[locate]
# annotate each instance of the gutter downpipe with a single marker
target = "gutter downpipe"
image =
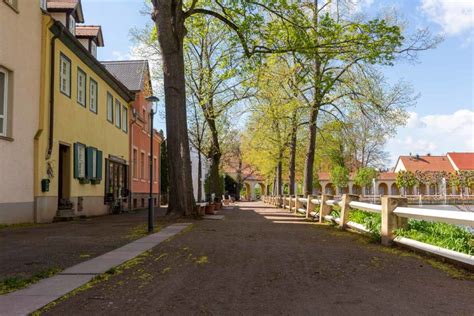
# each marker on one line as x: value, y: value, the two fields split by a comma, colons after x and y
x: 51, y: 95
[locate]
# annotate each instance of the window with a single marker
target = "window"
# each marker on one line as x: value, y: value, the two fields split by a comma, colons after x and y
x: 142, y: 165
x: 93, y: 48
x: 79, y: 161
x: 110, y: 108
x: 93, y: 95
x: 125, y: 119
x: 65, y: 75
x: 135, y: 163
x: 81, y: 87
x: 118, y: 106
x: 72, y: 25
x: 155, y: 170
x: 3, y: 101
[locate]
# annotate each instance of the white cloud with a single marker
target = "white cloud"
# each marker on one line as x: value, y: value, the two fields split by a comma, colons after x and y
x: 454, y: 16
x: 435, y: 134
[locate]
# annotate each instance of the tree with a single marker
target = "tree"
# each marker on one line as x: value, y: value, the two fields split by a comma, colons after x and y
x: 343, y: 45
x: 364, y: 176
x: 406, y: 180
x: 164, y: 179
x: 170, y: 16
x: 339, y: 176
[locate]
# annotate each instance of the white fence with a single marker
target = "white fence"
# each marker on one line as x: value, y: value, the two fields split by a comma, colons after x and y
x: 394, y: 213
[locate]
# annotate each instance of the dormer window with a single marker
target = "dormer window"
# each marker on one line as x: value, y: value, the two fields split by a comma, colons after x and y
x: 72, y: 25
x: 93, y: 48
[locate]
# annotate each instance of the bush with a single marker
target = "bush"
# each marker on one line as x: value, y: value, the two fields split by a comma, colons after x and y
x: 440, y: 234
x: 371, y: 221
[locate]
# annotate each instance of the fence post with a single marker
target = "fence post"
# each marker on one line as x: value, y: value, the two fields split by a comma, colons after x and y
x: 309, y: 206
x: 280, y: 201
x: 296, y: 203
x: 324, y: 209
x: 390, y: 221
x: 345, y: 208
x: 284, y: 202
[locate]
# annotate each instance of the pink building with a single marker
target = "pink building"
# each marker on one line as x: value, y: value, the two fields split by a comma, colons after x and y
x: 135, y: 75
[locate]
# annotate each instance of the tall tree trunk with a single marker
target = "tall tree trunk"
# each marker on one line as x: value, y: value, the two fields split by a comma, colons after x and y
x: 309, y: 160
x: 215, y: 154
x: 169, y: 20
x: 292, y: 166
x: 199, y: 175
x: 279, y: 174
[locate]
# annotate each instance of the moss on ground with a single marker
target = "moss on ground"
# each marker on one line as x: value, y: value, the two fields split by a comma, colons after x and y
x: 11, y: 284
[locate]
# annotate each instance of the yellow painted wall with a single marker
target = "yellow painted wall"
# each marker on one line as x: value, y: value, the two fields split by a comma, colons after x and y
x: 75, y: 123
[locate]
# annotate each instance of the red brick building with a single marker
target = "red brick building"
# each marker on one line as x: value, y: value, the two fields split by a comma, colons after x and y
x: 135, y: 75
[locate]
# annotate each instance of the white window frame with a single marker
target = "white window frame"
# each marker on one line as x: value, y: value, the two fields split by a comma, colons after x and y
x: 65, y: 75
x: 81, y: 161
x: 93, y: 96
x: 72, y: 25
x: 94, y: 48
x: 124, y: 119
x: 82, y: 91
x: 118, y: 114
x: 110, y: 107
x: 4, y: 116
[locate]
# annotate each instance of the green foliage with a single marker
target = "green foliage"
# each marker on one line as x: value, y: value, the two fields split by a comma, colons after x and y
x: 371, y: 221
x: 440, y: 234
x: 364, y: 176
x: 339, y: 176
x: 406, y: 179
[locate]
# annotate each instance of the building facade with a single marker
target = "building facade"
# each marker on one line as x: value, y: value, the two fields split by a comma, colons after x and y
x: 82, y: 141
x: 135, y: 75
x: 20, y: 65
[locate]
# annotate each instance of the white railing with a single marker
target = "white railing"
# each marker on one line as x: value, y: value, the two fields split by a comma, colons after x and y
x: 394, y: 214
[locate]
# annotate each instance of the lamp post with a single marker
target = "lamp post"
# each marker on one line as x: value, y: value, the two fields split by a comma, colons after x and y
x: 154, y: 100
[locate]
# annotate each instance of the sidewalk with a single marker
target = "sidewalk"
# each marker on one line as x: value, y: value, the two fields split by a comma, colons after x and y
x: 42, y: 249
x: 28, y: 300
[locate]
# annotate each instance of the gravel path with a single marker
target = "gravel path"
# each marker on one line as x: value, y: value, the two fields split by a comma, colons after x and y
x: 261, y: 261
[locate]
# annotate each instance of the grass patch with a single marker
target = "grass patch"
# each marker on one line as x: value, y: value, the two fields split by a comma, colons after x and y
x: 440, y: 234
x: 19, y: 225
x: 140, y: 231
x: 372, y: 221
x: 16, y: 283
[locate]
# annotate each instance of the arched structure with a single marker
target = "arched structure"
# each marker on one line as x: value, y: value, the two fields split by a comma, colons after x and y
x: 383, y: 189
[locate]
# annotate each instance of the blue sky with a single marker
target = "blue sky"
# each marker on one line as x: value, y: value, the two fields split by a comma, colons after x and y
x: 443, y: 118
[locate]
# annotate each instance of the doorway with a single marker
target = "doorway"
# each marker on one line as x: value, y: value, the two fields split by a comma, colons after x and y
x: 64, y: 177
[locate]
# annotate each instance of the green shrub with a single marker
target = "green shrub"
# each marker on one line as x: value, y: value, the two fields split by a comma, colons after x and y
x: 440, y: 234
x: 372, y: 221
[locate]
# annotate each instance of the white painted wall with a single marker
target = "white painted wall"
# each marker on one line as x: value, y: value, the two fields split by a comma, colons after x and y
x: 20, y: 53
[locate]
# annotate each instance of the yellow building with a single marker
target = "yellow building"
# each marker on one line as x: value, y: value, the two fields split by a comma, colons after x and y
x: 82, y: 142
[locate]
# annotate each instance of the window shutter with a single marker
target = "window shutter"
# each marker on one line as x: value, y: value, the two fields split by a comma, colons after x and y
x: 76, y: 160
x: 89, y: 156
x: 99, y: 165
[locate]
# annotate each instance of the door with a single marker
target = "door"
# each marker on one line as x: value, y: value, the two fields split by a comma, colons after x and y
x: 64, y: 175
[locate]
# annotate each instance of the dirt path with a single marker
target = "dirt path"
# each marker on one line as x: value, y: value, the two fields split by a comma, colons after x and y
x: 30, y: 250
x: 260, y: 260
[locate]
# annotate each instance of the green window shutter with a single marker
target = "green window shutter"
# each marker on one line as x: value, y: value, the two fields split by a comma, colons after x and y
x: 76, y: 160
x: 99, y: 165
x: 89, y: 167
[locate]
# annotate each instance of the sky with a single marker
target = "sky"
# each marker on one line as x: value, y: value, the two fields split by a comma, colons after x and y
x: 442, y: 119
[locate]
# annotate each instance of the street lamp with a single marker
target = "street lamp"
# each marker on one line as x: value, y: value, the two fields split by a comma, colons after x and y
x: 154, y: 100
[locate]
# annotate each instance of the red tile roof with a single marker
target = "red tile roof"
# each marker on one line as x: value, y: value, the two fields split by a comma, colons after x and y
x: 427, y: 163
x: 62, y: 4
x: 463, y: 161
x: 387, y: 176
x: 90, y: 31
